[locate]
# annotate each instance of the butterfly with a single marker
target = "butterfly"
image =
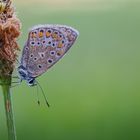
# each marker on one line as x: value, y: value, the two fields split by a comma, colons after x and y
x: 46, y: 45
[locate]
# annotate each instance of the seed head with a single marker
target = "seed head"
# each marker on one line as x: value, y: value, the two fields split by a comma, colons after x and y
x: 9, y: 32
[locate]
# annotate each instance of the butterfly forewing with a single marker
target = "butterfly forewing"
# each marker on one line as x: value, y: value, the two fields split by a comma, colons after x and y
x: 45, y: 46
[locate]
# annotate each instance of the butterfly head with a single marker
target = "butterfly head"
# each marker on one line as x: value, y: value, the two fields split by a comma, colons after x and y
x: 24, y: 75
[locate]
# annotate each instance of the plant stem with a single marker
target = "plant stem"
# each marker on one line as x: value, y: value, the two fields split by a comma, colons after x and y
x: 6, y: 84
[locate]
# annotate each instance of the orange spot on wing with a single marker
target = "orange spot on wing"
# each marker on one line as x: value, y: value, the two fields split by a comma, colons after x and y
x: 32, y: 35
x: 59, y: 38
x: 40, y: 34
x: 60, y: 45
x: 60, y: 52
x: 54, y: 35
x: 48, y: 34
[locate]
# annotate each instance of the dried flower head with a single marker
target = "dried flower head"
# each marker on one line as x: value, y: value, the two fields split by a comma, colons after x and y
x: 9, y: 31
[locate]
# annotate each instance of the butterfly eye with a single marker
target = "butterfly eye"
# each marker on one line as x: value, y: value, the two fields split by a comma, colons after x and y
x: 31, y: 81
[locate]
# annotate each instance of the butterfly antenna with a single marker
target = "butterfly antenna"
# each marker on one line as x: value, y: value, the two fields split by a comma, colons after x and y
x: 43, y: 94
x: 38, y: 101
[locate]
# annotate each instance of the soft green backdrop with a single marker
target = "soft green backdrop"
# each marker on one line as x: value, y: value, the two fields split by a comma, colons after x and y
x: 94, y: 91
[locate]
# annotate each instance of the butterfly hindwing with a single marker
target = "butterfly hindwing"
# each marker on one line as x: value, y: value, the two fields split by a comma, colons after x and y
x: 46, y: 45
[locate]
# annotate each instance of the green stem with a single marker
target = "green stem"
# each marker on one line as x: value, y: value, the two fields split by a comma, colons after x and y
x: 6, y: 84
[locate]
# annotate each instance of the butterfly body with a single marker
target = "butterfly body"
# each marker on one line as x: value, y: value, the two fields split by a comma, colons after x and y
x: 24, y: 75
x: 45, y: 46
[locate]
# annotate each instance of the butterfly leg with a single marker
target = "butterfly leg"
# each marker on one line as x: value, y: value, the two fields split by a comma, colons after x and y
x: 10, y: 83
x: 17, y: 83
x: 15, y: 77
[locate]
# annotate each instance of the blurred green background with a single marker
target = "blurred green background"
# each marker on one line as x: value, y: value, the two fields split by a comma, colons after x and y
x: 94, y: 91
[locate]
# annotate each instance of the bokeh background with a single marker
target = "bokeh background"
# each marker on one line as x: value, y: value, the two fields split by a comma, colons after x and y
x: 94, y: 91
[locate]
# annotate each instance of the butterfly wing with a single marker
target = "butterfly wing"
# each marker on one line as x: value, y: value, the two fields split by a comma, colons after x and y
x: 46, y: 45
